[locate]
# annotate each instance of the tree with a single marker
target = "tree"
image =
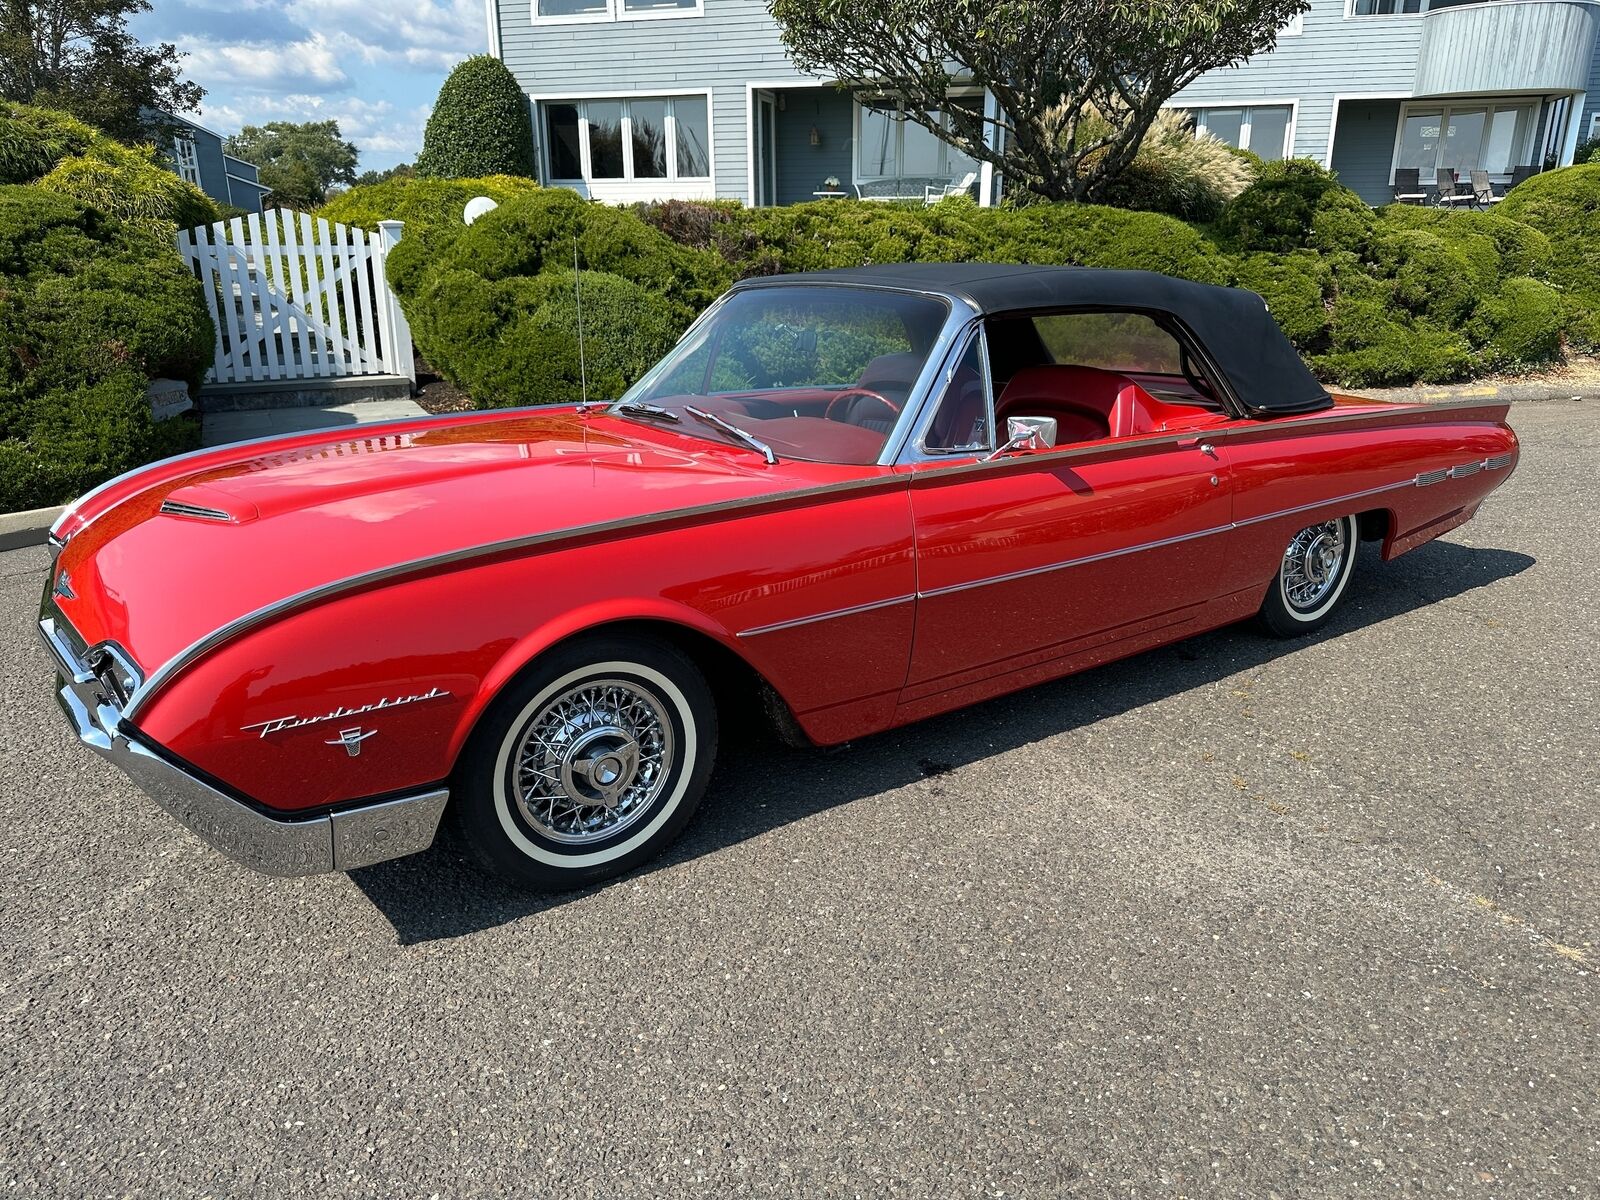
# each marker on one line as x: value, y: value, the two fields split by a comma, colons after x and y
x: 298, y: 162
x: 398, y: 171
x: 479, y: 126
x: 78, y: 56
x: 1078, y: 81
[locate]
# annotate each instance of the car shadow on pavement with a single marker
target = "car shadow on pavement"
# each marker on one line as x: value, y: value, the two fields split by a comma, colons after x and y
x: 761, y: 785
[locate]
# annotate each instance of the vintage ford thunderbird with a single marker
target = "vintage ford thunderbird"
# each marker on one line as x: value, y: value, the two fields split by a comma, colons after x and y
x: 856, y: 498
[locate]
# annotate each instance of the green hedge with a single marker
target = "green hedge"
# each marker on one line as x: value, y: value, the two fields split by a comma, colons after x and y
x: 421, y: 203
x: 1391, y: 297
x: 91, y: 309
x: 133, y: 186
x: 1564, y: 206
x: 34, y: 140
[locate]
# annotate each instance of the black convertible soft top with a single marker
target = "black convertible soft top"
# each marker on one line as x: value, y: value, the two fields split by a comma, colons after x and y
x: 1232, y: 325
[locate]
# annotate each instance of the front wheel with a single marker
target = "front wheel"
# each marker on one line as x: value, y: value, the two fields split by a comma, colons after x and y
x: 589, y: 764
x: 1316, y: 566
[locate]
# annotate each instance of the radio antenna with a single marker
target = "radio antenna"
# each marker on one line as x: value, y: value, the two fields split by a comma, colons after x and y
x: 577, y: 291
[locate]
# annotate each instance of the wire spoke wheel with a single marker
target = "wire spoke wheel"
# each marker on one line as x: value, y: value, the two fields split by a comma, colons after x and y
x: 1314, y: 564
x: 592, y: 761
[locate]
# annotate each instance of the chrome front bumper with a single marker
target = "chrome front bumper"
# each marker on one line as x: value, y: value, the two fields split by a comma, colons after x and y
x: 339, y: 841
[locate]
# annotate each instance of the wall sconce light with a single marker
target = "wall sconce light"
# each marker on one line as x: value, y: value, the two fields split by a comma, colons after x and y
x: 816, y: 136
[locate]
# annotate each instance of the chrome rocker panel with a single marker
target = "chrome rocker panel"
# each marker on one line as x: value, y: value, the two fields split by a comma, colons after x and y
x: 340, y: 841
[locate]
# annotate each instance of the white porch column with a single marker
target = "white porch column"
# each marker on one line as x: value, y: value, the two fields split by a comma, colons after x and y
x: 396, y: 329
x: 1569, y: 144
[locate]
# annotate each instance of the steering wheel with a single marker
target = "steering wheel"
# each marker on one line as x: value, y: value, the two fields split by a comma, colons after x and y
x: 852, y: 393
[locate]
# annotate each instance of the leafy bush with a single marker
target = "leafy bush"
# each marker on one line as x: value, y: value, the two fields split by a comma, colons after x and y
x: 1564, y: 205
x: 480, y: 124
x: 131, y: 184
x: 1177, y: 172
x: 1588, y: 151
x: 421, y: 203
x: 1293, y: 285
x: 34, y: 140
x: 1296, y: 203
x: 1519, y: 326
x: 91, y: 308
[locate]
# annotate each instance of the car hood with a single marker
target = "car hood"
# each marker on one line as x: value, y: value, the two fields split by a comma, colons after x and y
x: 174, y: 552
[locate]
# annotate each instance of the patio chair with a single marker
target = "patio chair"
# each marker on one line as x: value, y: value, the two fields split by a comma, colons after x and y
x: 1520, y: 174
x: 1408, y: 186
x: 1448, y: 192
x: 1483, y: 190
x: 935, y: 192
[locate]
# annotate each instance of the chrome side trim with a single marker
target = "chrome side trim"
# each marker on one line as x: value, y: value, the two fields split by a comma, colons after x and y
x: 340, y: 841
x: 576, y: 533
x: 832, y: 615
x: 1161, y: 542
x: 1012, y: 576
x: 1498, y: 462
x: 1429, y: 478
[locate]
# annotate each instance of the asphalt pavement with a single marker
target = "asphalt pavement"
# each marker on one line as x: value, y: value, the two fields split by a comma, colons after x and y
x: 1234, y: 918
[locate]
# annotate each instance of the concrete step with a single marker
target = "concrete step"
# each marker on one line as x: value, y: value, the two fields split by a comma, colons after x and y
x: 301, y: 393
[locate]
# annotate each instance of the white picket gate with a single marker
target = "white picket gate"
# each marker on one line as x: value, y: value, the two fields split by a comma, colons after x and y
x: 297, y: 298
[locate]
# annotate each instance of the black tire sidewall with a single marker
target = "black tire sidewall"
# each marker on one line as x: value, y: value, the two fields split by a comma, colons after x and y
x: 1283, y: 620
x: 488, y: 818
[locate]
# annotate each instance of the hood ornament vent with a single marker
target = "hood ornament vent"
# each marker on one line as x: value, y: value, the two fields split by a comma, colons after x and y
x: 177, y: 508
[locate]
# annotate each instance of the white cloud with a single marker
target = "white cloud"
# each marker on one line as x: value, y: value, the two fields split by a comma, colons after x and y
x: 313, y: 60
x: 376, y: 127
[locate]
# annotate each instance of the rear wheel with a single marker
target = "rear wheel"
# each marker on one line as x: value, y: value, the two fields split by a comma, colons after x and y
x: 1316, y: 566
x: 589, y: 764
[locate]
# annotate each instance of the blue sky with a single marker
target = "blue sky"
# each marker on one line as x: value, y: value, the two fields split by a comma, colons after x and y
x: 372, y: 65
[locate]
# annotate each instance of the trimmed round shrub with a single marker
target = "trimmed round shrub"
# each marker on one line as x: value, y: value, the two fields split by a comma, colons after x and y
x: 1431, y: 276
x: 1517, y: 249
x: 1564, y: 205
x: 515, y: 341
x: 132, y: 186
x: 1293, y: 287
x: 1520, y: 325
x: 1092, y: 235
x: 480, y: 124
x: 91, y: 309
x: 1296, y: 203
x: 34, y: 140
x: 421, y: 203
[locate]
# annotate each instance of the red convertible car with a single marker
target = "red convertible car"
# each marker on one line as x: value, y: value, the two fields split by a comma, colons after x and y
x: 858, y: 497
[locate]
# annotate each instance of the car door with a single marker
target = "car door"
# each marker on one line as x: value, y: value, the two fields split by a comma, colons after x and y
x: 1033, y: 557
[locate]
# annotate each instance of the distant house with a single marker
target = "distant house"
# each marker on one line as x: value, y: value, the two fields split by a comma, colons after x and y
x: 197, y: 155
x: 693, y: 99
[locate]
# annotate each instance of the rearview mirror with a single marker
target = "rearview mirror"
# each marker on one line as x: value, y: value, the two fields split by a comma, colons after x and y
x: 1028, y: 433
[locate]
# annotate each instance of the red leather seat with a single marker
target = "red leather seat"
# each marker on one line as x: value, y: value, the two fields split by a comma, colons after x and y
x: 1086, y: 402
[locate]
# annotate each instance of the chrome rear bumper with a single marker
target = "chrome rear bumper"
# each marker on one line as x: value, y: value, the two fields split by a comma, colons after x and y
x: 338, y: 841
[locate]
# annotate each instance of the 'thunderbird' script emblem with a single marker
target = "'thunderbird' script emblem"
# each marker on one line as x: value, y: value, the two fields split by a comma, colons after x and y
x: 279, y: 724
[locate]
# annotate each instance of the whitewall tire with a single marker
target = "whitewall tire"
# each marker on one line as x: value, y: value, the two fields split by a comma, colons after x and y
x: 1312, y: 577
x: 589, y: 763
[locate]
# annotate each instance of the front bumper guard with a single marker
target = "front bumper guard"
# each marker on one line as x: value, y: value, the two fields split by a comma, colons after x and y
x: 339, y: 841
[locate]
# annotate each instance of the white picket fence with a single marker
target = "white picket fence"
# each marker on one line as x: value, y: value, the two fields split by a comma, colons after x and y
x: 297, y: 298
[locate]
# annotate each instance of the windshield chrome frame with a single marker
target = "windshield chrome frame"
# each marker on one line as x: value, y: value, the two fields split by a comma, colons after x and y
x: 959, y: 314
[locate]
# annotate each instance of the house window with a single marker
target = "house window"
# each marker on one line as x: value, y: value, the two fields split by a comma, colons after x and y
x: 1386, y: 8
x: 1263, y: 129
x: 185, y: 158
x: 892, y: 147
x: 655, y: 137
x: 1463, y: 138
x: 557, y: 11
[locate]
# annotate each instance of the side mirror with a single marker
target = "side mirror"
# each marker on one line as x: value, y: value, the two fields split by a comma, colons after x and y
x: 1028, y: 433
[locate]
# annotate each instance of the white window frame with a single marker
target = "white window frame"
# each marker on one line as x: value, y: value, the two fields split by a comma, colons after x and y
x: 1293, y: 105
x: 186, y: 158
x: 582, y: 100
x: 856, y: 107
x: 615, y: 10
x: 1444, y: 108
x: 1350, y: 13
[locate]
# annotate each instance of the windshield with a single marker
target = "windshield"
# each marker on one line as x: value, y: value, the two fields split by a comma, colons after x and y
x: 819, y: 373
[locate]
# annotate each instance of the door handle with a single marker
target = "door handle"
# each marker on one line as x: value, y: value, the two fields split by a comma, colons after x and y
x: 1197, y: 444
